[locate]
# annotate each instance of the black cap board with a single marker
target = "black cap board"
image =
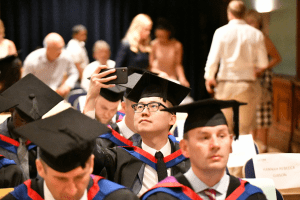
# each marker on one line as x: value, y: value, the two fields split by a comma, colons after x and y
x: 208, y: 113
x: 6, y: 104
x: 34, y: 98
x: 112, y: 94
x: 132, y: 80
x: 151, y: 85
x: 66, y: 140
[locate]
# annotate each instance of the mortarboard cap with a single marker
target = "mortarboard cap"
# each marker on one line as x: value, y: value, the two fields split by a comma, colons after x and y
x: 66, y: 140
x: 112, y: 94
x: 151, y: 85
x: 132, y: 80
x: 6, y: 104
x: 208, y: 113
x: 34, y: 98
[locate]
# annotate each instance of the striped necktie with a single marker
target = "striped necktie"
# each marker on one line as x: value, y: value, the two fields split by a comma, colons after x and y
x: 22, y: 153
x: 211, y: 193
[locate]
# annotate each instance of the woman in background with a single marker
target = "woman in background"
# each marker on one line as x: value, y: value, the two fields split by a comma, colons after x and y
x: 135, y: 46
x: 166, y: 55
x: 7, y: 47
x: 265, y: 106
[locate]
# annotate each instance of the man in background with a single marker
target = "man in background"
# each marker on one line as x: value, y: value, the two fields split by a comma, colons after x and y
x: 51, y: 63
x: 241, y: 52
x: 101, y: 53
x: 76, y: 48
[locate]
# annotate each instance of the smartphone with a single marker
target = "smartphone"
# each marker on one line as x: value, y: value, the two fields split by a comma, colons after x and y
x: 122, y: 75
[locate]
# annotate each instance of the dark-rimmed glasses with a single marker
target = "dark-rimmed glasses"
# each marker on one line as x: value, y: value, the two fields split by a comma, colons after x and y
x: 152, y: 107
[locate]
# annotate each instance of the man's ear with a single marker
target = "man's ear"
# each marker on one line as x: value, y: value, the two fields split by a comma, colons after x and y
x: 123, y: 105
x: 183, y: 144
x: 172, y: 119
x: 231, y: 140
x: 40, y: 168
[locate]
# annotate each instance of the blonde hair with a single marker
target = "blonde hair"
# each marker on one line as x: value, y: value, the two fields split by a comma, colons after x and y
x: 2, y: 28
x: 133, y: 33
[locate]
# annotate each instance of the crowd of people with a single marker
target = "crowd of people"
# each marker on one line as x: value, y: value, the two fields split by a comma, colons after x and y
x: 119, y: 145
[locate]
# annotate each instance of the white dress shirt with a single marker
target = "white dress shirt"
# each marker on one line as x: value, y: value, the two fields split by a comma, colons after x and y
x: 49, y: 196
x: 239, y: 48
x: 198, y: 186
x: 150, y: 175
x: 51, y: 73
x: 89, y: 70
x: 78, y: 52
x: 124, y: 130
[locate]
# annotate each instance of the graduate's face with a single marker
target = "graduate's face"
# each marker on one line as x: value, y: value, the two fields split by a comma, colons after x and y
x: 69, y: 185
x: 105, y: 110
x: 153, y: 122
x: 208, y: 148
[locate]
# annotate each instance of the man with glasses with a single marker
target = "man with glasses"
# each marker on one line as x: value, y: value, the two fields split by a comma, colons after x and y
x: 155, y: 156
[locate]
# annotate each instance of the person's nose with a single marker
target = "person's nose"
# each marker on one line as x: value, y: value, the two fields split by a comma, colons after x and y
x: 71, y: 189
x: 214, y: 143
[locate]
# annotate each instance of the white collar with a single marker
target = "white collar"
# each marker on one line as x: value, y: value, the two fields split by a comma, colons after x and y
x: 124, y: 130
x: 166, y: 150
x: 198, y: 186
x: 49, y: 196
x: 237, y: 21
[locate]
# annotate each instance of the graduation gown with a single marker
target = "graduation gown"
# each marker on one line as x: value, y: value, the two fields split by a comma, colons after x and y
x: 98, y: 189
x: 178, y: 187
x: 125, y: 165
x: 11, y: 175
x: 9, y: 147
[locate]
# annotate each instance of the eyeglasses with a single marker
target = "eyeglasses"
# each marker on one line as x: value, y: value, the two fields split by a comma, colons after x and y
x: 152, y: 107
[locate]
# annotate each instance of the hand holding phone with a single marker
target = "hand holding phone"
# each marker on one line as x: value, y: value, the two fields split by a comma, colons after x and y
x: 121, y: 73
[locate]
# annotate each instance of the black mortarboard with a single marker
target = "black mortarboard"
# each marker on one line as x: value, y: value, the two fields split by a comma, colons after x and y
x: 208, y: 113
x: 8, y: 62
x: 66, y: 140
x: 132, y: 80
x: 34, y: 98
x: 151, y: 85
x: 112, y: 94
x: 6, y: 104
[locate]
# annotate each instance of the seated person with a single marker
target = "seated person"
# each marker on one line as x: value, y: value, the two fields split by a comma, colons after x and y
x: 106, y: 105
x: 51, y: 64
x: 207, y: 142
x: 10, y: 71
x: 101, y: 53
x: 11, y: 174
x: 66, y: 160
x: 155, y: 156
x: 33, y: 99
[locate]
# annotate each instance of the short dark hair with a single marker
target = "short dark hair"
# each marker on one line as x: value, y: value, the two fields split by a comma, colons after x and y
x: 164, y: 24
x: 76, y: 29
x: 239, y: 10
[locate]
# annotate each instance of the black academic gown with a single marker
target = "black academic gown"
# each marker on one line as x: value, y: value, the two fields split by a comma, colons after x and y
x: 98, y: 188
x: 9, y: 146
x: 10, y: 174
x: 126, y: 164
x: 234, y: 183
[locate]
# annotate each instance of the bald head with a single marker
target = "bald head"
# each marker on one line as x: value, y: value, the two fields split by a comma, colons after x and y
x: 236, y: 9
x: 54, y: 44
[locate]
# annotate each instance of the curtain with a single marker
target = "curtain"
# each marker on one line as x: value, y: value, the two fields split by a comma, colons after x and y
x: 27, y: 22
